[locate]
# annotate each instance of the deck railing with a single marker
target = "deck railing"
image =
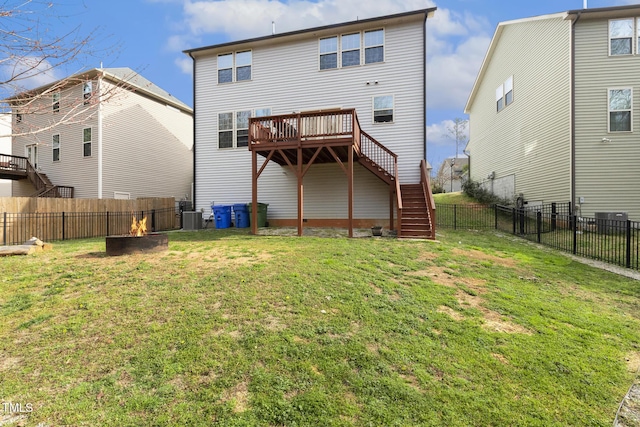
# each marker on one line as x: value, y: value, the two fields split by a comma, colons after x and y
x: 13, y: 163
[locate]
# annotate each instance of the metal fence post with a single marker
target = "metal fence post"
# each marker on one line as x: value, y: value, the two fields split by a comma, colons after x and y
x: 628, y: 243
x: 4, y: 229
x: 495, y: 216
x: 107, y: 223
x: 62, y: 225
x: 574, y: 226
x: 455, y: 217
x: 539, y: 225
x: 554, y: 213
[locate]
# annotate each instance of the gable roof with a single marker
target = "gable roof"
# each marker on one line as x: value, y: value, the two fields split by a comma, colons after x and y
x: 125, y: 76
x: 573, y: 15
x: 426, y: 13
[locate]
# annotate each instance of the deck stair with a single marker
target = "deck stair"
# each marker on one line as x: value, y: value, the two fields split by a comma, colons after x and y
x: 415, y: 221
x: 18, y: 167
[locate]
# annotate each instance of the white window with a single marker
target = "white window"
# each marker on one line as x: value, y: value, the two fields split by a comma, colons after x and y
x: 18, y: 117
x: 243, y: 66
x: 504, y: 94
x: 56, y: 102
x: 56, y: 148
x: 87, y: 91
x: 373, y: 46
x: 86, y: 142
x: 242, y: 128
x: 225, y: 130
x: 620, y: 109
x: 328, y: 53
x: 621, y: 36
x: 350, y: 44
x: 238, y: 64
x: 225, y: 68
x: 383, y: 109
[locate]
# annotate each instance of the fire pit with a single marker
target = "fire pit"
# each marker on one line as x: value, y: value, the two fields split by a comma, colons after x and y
x: 138, y: 240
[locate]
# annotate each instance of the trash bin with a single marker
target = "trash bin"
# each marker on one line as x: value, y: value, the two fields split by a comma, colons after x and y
x: 262, y: 213
x: 241, y: 213
x: 222, y: 215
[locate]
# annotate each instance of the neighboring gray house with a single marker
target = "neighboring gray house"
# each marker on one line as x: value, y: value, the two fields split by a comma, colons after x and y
x: 552, y: 113
x: 106, y: 133
x: 452, y: 173
x: 375, y: 67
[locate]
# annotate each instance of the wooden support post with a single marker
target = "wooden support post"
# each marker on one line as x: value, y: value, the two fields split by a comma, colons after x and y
x: 300, y: 191
x: 254, y: 192
x: 350, y: 189
x: 391, y: 198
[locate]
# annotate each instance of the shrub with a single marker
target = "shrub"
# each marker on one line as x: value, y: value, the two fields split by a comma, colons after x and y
x: 476, y: 191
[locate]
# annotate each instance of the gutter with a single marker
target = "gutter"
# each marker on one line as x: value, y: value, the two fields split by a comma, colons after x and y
x: 193, y: 196
x: 424, y: 84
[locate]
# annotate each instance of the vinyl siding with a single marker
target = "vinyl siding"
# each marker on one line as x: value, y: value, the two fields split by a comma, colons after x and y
x: 607, y: 173
x: 286, y: 78
x: 530, y: 138
x: 5, y: 148
x: 156, y: 163
x: 73, y: 169
x: 146, y: 148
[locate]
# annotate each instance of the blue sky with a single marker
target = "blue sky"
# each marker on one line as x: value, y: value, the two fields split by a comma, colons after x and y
x: 150, y: 35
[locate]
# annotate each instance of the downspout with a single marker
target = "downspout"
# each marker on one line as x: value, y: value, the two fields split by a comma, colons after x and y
x: 194, y: 131
x: 424, y: 84
x: 100, y: 80
x: 573, y: 113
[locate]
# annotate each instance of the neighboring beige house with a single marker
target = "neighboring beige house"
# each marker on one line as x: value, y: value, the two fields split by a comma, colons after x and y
x: 374, y: 67
x: 552, y: 113
x: 106, y: 133
x: 452, y: 173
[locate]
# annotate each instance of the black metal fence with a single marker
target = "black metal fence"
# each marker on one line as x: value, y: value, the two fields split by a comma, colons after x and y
x: 16, y: 228
x: 554, y: 225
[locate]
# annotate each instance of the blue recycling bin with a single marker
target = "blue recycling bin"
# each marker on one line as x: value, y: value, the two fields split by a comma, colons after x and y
x: 222, y: 215
x: 241, y: 213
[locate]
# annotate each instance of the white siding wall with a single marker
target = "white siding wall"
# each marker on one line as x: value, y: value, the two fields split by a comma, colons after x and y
x: 146, y: 148
x: 73, y: 169
x: 286, y: 78
x: 531, y: 138
x: 607, y: 173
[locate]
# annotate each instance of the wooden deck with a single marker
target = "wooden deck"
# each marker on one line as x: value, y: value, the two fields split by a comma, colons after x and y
x: 18, y: 167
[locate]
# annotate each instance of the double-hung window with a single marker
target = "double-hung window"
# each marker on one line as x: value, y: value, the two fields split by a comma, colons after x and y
x: 87, y: 91
x: 621, y: 33
x: 373, y: 46
x: 504, y: 94
x: 56, y: 102
x: 383, y: 109
x: 350, y: 44
x: 225, y: 68
x: 225, y: 130
x: 242, y: 128
x: 243, y: 66
x: 55, y: 143
x: 328, y: 53
x: 620, y: 109
x: 86, y: 142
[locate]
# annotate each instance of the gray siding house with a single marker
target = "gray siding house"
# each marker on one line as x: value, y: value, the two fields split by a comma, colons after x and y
x: 552, y: 115
x: 375, y: 67
x: 108, y: 133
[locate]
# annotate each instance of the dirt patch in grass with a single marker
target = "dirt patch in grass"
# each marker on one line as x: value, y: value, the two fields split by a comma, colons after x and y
x: 8, y: 363
x: 492, y: 320
x: 450, y: 312
x: 476, y: 255
x: 633, y: 362
x: 239, y: 394
x: 500, y: 358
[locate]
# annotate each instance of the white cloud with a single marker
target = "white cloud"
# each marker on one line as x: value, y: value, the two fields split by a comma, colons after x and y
x: 450, y: 75
x: 185, y: 64
x: 28, y: 72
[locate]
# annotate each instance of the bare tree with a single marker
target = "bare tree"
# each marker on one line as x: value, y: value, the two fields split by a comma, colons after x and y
x: 458, y: 132
x: 37, y: 65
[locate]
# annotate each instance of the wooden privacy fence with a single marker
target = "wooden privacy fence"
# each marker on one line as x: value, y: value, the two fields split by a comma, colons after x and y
x: 63, y: 219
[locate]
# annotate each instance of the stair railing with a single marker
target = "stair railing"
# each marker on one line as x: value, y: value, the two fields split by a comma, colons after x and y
x: 398, y: 201
x: 426, y: 188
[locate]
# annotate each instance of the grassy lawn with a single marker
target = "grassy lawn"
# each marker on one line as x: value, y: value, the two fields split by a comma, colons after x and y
x: 479, y: 329
x: 458, y: 198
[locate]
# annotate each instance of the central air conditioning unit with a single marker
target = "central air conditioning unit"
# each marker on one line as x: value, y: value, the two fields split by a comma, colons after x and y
x: 192, y: 220
x: 611, y: 222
